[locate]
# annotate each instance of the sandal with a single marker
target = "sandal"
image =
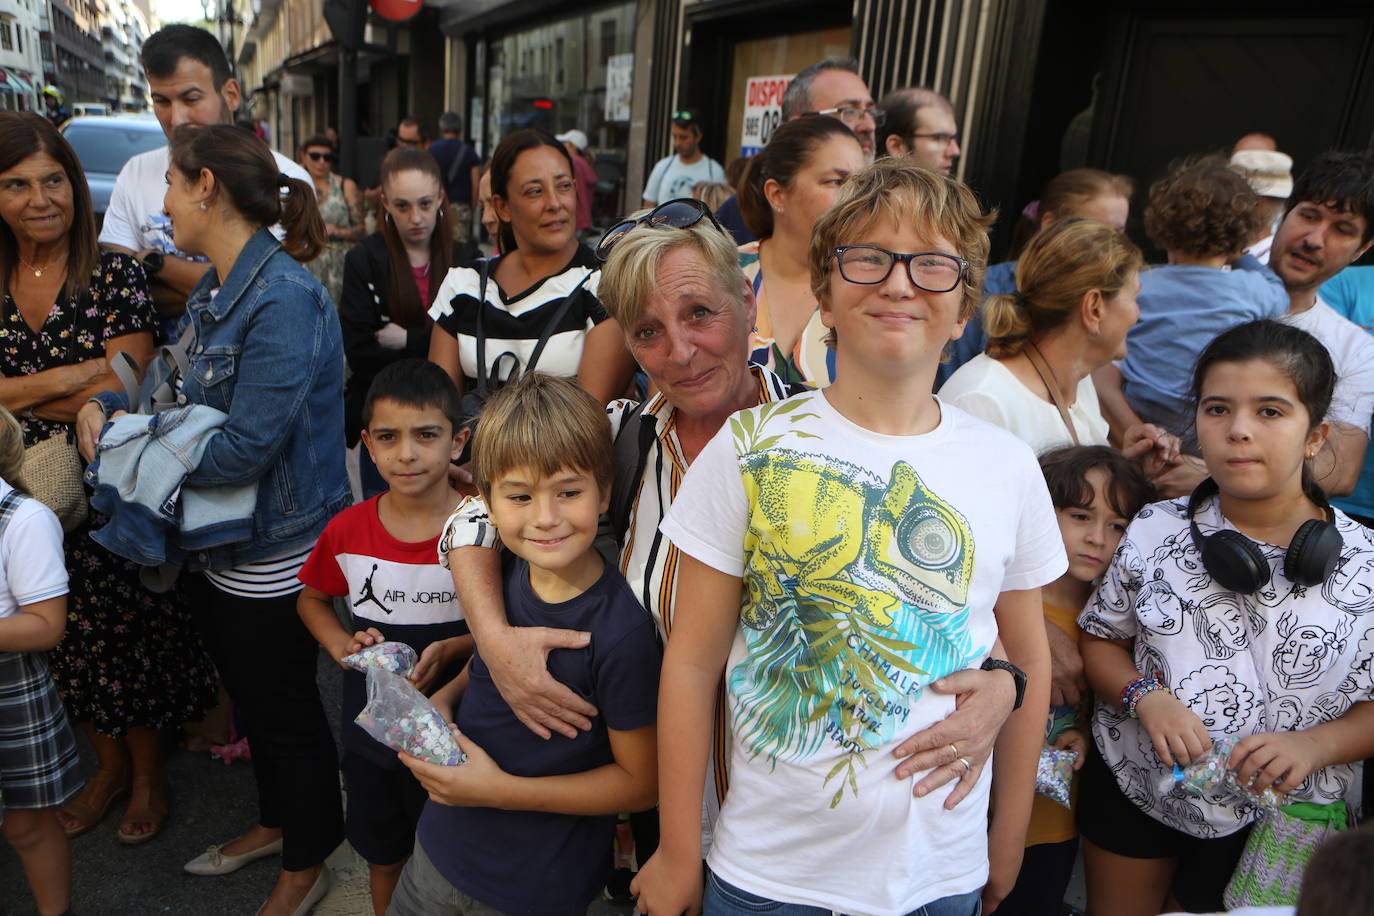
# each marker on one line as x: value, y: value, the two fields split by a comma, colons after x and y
x: 154, y: 814
x: 88, y: 813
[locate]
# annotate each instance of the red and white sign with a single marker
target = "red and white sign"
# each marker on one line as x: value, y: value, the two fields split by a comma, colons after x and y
x: 396, y: 10
x: 762, y: 111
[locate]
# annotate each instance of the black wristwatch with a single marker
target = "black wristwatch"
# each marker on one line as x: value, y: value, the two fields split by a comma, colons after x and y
x: 152, y: 263
x: 1017, y: 675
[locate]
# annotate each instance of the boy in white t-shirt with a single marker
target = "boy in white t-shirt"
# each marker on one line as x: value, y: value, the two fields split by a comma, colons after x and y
x: 842, y: 550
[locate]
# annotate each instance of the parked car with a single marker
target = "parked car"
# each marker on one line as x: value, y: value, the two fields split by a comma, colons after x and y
x: 104, y: 144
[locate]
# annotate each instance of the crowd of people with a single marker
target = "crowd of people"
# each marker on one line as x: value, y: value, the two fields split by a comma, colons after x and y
x: 761, y: 518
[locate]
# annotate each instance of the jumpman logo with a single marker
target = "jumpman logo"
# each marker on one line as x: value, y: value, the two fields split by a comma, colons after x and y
x: 369, y: 595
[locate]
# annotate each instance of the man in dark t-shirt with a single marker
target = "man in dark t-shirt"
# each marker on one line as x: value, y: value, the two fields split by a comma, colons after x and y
x: 459, y: 164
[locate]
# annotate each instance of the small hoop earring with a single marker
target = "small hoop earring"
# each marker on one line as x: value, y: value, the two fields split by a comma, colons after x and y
x: 202, y: 206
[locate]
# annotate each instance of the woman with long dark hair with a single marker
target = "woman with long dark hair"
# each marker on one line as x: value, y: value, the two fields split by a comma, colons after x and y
x: 388, y: 280
x: 541, y: 285
x: 131, y: 663
x: 268, y: 355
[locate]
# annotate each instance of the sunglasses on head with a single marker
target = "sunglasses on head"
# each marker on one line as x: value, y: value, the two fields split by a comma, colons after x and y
x: 327, y: 157
x: 683, y: 213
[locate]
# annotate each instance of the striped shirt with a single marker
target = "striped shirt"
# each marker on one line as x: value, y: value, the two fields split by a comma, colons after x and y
x: 648, y: 560
x: 274, y: 577
x: 513, y: 324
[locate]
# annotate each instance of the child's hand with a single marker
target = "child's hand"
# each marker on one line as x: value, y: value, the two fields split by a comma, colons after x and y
x: 364, y: 638
x: 435, y: 659
x: 1278, y: 759
x: 666, y: 887
x: 1071, y: 739
x: 1178, y: 734
x: 476, y: 783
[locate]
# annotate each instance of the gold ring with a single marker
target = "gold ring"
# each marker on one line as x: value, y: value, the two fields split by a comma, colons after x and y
x: 955, y: 751
x: 967, y: 766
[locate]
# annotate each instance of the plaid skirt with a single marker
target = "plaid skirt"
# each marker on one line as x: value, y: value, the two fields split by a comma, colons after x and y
x: 39, y: 765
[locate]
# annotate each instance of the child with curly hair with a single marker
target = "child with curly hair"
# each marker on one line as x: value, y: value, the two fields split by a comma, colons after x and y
x: 1203, y: 215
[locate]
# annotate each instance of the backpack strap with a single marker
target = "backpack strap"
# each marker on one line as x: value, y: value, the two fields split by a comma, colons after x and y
x: 484, y: 272
x: 630, y: 452
x: 456, y: 164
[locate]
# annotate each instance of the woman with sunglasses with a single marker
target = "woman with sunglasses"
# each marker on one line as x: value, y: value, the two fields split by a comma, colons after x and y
x: 341, y: 208
x: 787, y: 187
x: 535, y: 302
x: 672, y: 281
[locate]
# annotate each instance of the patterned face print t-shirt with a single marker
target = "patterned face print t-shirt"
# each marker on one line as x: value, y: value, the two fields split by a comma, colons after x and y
x: 870, y: 566
x: 1283, y: 659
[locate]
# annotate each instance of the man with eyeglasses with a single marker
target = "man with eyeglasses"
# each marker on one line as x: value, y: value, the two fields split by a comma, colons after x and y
x: 830, y: 87
x: 920, y: 125
x: 676, y: 175
x: 190, y: 83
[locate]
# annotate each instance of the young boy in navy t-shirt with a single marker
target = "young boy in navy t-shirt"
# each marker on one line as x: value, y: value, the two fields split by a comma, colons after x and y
x: 526, y: 825
x: 380, y: 556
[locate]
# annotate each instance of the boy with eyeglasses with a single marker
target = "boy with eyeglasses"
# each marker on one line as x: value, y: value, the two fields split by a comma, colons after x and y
x: 675, y: 175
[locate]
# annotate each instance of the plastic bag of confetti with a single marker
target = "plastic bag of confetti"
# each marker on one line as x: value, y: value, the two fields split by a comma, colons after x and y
x: 400, y: 717
x: 1054, y: 774
x: 1210, y: 775
x: 396, y: 657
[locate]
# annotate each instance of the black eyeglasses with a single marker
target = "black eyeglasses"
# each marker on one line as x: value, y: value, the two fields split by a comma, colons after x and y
x: 932, y: 271
x: 851, y: 115
x: 327, y: 157
x: 683, y: 213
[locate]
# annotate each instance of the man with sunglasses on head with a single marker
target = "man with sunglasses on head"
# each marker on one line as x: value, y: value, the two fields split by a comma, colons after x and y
x: 190, y: 83
x: 674, y: 176
x: 830, y: 87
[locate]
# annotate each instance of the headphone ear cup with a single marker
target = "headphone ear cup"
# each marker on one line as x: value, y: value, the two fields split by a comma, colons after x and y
x: 1235, y: 562
x: 1313, y: 553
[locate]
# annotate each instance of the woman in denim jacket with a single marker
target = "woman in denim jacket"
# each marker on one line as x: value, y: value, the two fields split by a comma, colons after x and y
x: 268, y: 353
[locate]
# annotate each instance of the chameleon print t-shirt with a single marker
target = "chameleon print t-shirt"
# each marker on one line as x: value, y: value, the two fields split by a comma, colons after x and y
x: 870, y: 565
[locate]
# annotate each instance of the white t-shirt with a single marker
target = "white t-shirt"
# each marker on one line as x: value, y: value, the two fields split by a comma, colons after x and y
x: 986, y: 388
x: 32, y: 567
x: 672, y: 178
x: 134, y: 218
x: 1352, y: 354
x: 1283, y: 659
x: 870, y: 564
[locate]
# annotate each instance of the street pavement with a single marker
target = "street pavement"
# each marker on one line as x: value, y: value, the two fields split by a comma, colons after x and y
x: 211, y: 803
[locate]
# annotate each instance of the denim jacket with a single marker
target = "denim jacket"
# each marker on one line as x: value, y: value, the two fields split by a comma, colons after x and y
x: 268, y: 353
x: 140, y: 466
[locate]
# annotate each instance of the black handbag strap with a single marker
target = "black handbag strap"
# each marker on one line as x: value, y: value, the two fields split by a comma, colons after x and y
x: 483, y: 383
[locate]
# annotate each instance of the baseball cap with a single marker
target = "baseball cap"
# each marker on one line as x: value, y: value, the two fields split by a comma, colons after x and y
x: 575, y: 137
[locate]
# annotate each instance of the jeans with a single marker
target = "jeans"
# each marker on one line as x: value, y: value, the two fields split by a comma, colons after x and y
x: 724, y: 899
x: 266, y: 658
x: 423, y: 891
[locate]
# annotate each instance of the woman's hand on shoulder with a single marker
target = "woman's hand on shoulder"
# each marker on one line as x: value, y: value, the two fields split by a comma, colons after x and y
x: 1278, y: 759
x: 1176, y: 731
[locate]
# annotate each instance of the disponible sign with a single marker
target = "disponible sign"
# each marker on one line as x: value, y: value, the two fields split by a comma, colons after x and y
x: 762, y: 111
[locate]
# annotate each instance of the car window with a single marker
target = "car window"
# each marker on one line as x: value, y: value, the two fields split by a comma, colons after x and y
x: 107, y: 148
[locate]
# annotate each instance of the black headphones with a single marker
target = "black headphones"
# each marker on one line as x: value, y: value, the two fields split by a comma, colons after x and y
x: 1239, y: 565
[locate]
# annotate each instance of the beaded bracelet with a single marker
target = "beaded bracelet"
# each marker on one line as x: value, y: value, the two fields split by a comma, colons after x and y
x: 1132, y: 693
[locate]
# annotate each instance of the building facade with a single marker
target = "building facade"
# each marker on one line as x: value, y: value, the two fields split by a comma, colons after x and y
x: 21, y: 56
x: 123, y: 28
x: 74, y: 58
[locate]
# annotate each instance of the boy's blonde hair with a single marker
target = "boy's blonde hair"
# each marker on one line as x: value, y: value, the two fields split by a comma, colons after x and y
x: 899, y: 193
x: 543, y: 423
x: 12, y: 451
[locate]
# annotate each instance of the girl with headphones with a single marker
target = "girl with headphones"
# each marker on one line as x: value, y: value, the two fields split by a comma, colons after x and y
x: 1218, y: 617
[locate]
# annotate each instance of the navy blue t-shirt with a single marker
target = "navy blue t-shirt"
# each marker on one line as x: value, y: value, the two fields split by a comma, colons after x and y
x: 530, y: 862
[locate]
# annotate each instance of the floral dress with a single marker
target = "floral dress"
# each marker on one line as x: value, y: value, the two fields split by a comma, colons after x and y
x: 130, y: 657
x: 328, y: 266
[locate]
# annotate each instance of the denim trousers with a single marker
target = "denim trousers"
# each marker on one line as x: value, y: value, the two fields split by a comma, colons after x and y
x: 724, y: 899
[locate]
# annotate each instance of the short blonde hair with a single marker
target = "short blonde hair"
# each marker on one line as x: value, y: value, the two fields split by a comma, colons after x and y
x: 630, y: 276
x: 1060, y: 266
x: 12, y: 451
x: 543, y: 423
x: 901, y: 193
